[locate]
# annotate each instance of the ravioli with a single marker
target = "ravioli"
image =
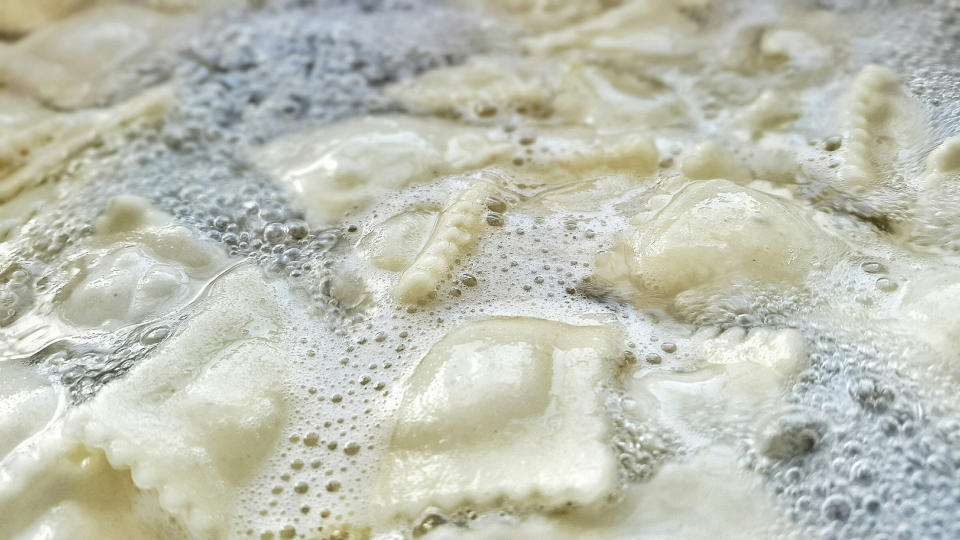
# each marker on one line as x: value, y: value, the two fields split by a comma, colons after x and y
x: 21, y: 16
x: 146, y: 268
x: 649, y: 29
x: 27, y: 404
x: 60, y: 490
x: 548, y: 90
x: 458, y: 227
x: 712, y: 234
x: 504, y: 409
x: 698, y: 497
x: 217, y: 386
x: 344, y: 167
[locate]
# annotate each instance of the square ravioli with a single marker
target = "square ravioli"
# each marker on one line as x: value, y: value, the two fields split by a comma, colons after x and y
x: 507, y: 408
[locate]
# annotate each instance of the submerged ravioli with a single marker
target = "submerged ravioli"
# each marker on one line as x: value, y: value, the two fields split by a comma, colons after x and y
x: 882, y: 125
x: 712, y: 234
x: 741, y: 374
x: 504, y: 408
x: 457, y: 228
x: 143, y: 266
x: 555, y: 92
x: 343, y: 167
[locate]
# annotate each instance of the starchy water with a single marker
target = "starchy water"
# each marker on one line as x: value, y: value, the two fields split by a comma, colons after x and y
x: 510, y: 269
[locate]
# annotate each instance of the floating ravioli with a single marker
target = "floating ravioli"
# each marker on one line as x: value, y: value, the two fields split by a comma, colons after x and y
x: 343, y: 167
x: 394, y: 245
x: 196, y: 420
x: 505, y: 409
x: 27, y: 404
x: 712, y: 234
x: 79, y: 61
x: 938, y: 200
x: 649, y: 29
x: 145, y: 267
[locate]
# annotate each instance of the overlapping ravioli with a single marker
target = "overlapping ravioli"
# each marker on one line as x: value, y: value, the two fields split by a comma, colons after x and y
x: 195, y: 420
x: 33, y: 146
x: 344, y: 167
x: 504, y: 409
x: 712, y: 234
x: 140, y: 266
x: 83, y: 59
x: 59, y: 490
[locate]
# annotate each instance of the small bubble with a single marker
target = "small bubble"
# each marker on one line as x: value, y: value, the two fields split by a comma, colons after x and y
x: 886, y: 284
x: 275, y: 233
x: 836, y: 508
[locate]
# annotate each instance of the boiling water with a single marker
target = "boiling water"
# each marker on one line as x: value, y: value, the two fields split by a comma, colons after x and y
x: 527, y: 269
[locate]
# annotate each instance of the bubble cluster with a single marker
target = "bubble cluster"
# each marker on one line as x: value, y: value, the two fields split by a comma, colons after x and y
x: 864, y: 457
